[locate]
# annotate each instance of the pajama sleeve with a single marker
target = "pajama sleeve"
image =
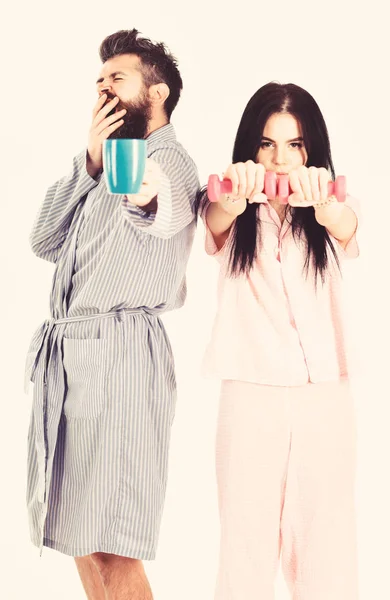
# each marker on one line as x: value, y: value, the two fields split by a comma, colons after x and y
x: 175, y: 201
x: 55, y: 216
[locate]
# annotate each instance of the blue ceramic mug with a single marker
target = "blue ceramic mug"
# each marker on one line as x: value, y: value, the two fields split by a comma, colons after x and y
x: 124, y: 165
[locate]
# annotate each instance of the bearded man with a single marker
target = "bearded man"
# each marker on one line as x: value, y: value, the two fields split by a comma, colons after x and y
x: 103, y: 372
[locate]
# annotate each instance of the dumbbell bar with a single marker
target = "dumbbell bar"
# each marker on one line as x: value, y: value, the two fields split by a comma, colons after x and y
x: 274, y: 185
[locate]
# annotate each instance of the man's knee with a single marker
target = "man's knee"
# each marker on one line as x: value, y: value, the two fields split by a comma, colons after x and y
x: 108, y: 564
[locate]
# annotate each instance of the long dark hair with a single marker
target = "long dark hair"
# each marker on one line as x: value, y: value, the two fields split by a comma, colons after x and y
x: 270, y: 99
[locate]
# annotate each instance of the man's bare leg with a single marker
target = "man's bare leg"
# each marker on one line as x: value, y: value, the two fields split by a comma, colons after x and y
x: 90, y: 578
x: 123, y: 578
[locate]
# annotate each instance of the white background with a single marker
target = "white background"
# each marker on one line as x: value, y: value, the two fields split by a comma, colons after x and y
x: 339, y: 52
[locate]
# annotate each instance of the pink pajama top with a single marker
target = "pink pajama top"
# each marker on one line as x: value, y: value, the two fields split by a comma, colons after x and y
x: 274, y: 327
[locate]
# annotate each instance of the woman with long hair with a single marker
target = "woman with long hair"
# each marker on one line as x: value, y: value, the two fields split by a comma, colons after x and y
x: 286, y: 428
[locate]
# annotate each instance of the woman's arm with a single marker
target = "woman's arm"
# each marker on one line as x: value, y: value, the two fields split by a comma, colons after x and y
x: 219, y: 222
x: 339, y: 220
x: 247, y: 183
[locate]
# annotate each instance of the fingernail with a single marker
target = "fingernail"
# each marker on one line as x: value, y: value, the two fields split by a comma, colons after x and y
x: 259, y: 197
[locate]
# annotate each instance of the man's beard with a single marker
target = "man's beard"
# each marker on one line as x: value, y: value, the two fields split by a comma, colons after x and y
x: 136, y: 119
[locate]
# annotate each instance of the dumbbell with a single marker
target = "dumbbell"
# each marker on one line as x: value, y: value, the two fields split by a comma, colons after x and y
x: 274, y: 185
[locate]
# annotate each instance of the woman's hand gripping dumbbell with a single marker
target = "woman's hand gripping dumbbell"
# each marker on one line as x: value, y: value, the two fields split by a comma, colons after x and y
x: 277, y: 185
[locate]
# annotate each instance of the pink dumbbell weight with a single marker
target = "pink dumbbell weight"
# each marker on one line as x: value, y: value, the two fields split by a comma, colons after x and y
x: 274, y: 185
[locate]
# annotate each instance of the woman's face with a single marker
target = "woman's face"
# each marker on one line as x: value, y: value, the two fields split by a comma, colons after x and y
x: 282, y: 148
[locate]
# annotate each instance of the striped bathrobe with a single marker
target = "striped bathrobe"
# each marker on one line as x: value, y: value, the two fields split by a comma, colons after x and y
x: 103, y: 372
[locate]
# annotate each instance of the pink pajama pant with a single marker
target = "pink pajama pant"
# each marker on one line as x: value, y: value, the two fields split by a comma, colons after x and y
x: 285, y: 473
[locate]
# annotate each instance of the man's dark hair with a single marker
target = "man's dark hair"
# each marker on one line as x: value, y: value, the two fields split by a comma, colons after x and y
x: 157, y: 63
